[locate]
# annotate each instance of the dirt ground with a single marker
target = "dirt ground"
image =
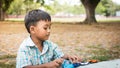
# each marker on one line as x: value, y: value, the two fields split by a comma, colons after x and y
x: 72, y: 38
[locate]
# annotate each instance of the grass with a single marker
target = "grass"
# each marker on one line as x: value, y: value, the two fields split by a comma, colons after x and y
x: 115, y: 51
x: 3, y: 65
x: 103, y: 54
x: 7, y: 56
x: 101, y: 57
x: 8, y: 63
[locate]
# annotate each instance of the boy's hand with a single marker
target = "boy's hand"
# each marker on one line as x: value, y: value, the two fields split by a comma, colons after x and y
x: 74, y: 59
x: 55, y: 64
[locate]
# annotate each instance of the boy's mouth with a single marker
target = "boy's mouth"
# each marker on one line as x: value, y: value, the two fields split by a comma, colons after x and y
x: 48, y: 35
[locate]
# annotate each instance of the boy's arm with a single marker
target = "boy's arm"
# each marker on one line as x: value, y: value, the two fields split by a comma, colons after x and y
x: 22, y: 59
x: 53, y: 64
x: 37, y: 66
x: 59, y: 54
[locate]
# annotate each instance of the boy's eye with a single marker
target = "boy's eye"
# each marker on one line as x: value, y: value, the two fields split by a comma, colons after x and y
x: 45, y: 28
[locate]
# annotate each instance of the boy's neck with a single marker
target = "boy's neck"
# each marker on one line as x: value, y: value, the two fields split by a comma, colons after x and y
x: 38, y: 43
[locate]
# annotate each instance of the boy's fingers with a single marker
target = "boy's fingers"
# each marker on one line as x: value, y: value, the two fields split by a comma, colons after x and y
x: 59, y: 61
x: 75, y: 59
x: 80, y: 59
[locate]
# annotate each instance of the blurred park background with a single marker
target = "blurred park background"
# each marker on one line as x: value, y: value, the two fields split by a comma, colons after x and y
x: 87, y: 28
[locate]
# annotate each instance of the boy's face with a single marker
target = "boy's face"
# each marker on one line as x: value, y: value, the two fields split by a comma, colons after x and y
x: 41, y: 30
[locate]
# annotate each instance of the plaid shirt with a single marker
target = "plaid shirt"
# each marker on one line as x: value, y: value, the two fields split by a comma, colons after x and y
x: 29, y: 54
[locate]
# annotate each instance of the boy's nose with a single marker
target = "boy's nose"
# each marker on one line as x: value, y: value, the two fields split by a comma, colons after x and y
x: 48, y: 30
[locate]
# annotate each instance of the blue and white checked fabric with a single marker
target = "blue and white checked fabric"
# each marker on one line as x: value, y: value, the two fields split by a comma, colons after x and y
x: 29, y: 54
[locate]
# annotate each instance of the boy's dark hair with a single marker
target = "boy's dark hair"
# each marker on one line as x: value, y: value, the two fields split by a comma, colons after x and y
x: 32, y: 17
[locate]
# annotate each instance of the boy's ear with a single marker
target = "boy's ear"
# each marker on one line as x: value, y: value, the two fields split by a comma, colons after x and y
x: 32, y: 29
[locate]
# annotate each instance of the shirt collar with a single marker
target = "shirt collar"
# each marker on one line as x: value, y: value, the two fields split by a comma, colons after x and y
x: 32, y: 44
x: 45, y: 47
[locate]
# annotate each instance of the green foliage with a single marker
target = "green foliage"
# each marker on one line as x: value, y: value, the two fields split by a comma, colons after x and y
x: 55, y: 7
x: 100, y: 9
x: 16, y: 7
x: 19, y: 7
x: 76, y: 9
x: 42, y: 2
x: 22, y: 6
x: 107, y: 8
x: 4, y: 4
x: 30, y: 5
x: 66, y: 8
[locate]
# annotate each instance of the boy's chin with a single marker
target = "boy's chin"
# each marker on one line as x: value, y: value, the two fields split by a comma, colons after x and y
x: 45, y: 39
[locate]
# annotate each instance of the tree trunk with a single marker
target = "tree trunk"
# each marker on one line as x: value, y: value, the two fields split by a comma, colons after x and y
x: 1, y: 12
x: 90, y: 15
x: 90, y: 6
x: 2, y: 15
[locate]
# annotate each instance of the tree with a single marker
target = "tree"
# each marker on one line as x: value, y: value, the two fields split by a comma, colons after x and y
x: 4, y: 5
x: 107, y: 8
x: 90, y: 6
x: 30, y: 2
x: 16, y: 8
x: 100, y: 9
x: 110, y: 7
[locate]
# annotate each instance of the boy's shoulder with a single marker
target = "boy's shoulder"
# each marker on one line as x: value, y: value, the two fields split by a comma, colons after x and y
x: 26, y: 43
x: 50, y: 43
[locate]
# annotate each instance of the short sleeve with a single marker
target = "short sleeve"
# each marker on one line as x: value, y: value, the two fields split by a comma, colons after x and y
x: 22, y: 59
x: 57, y: 53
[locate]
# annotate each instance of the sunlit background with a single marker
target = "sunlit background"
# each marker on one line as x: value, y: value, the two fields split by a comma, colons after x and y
x: 99, y: 40
x: 59, y: 9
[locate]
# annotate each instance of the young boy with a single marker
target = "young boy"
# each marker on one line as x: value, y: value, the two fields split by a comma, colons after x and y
x: 37, y: 51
